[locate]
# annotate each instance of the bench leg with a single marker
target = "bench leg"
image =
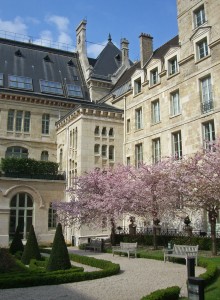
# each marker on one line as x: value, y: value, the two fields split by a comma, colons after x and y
x: 128, y: 254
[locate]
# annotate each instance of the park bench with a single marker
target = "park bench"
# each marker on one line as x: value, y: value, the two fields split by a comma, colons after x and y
x: 182, y: 251
x: 129, y: 248
x: 95, y: 245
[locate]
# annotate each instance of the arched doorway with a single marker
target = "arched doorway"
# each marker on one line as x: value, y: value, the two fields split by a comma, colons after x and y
x: 21, y: 214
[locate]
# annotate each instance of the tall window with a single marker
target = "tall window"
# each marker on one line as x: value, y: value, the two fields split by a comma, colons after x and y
x: 172, y: 66
x: 128, y: 161
x: 128, y: 125
x: 111, y: 132
x: 138, y: 118
x: 52, y: 217
x: 21, y: 214
x: 104, y: 151
x: 51, y: 87
x: 111, y: 152
x: 137, y: 86
x: 10, y: 125
x: 156, y: 150
x: 97, y: 149
x: 104, y: 131
x: 27, y: 119
x: 206, y: 93
x: 155, y: 107
x: 20, y: 82
x: 199, y: 16
x: 202, y: 49
x: 96, y: 132
x: 154, y: 79
x: 18, y: 125
x: 138, y: 154
x: 20, y: 120
x: 45, y: 123
x: 16, y: 151
x: 175, y: 103
x: 44, y: 155
x: 177, y: 145
x: 208, y: 133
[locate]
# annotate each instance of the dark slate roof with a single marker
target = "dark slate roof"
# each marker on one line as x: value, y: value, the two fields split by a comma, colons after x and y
x: 161, y: 51
x: 127, y: 75
x: 93, y: 105
x: 108, y: 61
x: 38, y: 62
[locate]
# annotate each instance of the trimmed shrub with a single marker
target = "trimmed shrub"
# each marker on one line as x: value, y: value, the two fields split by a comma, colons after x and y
x: 171, y: 293
x: 16, y: 244
x: 7, y: 262
x: 59, y: 257
x: 31, y: 249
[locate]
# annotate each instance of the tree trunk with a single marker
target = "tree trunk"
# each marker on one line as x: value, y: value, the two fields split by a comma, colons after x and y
x: 112, y: 238
x: 155, y: 237
x: 212, y: 221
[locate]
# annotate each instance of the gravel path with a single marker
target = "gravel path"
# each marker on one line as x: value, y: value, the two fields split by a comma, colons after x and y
x: 138, y: 277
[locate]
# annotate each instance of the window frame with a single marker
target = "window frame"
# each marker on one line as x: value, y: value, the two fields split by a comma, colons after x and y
x: 74, y: 90
x: 45, y: 124
x: 156, y: 150
x: 138, y: 118
x: 172, y: 71
x: 137, y: 86
x: 177, y: 149
x: 175, y: 109
x: 20, y: 82
x: 154, y: 76
x: 51, y: 87
x: 208, y: 132
x: 97, y: 149
x: 199, y: 14
x: 138, y: 154
x: 206, y: 91
x: 52, y: 217
x: 104, y: 151
x: 202, y: 48
x: 111, y: 153
x: 155, y: 111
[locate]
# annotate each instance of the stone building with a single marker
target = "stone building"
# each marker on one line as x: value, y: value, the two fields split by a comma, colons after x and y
x: 83, y: 113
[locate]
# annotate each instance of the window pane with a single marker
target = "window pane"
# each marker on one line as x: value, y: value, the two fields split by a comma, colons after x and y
x: 19, y: 115
x: 51, y: 87
x: 45, y: 123
x: 27, y: 117
x: 1, y: 79
x: 74, y: 90
x: 10, y: 125
x: 20, y: 82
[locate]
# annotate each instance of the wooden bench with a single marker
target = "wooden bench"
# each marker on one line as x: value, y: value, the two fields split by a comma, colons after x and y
x: 95, y: 245
x: 129, y: 248
x: 182, y: 251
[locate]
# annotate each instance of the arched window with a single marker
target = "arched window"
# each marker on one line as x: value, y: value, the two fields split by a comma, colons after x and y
x: 111, y: 132
x: 44, y: 155
x: 16, y: 151
x: 52, y: 217
x: 96, y: 130
x: 104, y: 131
x: 21, y: 214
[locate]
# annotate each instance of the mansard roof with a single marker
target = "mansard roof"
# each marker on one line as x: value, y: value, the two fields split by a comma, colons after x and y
x: 160, y: 52
x: 37, y: 63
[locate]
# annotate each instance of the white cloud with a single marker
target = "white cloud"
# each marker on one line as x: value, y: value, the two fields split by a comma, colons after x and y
x: 15, y: 26
x: 45, y: 39
x: 62, y: 23
x: 93, y: 50
x: 64, y: 38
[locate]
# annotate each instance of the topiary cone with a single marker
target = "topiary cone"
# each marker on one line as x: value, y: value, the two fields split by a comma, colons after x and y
x: 59, y: 257
x: 16, y: 244
x: 31, y: 249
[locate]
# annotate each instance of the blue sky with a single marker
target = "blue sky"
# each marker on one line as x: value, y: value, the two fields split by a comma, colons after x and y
x: 56, y: 20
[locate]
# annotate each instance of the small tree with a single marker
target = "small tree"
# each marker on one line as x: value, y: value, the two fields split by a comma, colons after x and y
x: 31, y: 249
x: 59, y: 257
x: 16, y: 244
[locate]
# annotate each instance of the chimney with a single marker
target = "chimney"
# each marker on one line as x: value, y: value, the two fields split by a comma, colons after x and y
x: 125, y: 52
x: 146, y: 47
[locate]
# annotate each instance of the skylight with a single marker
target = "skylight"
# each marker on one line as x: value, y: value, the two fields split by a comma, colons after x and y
x: 51, y: 87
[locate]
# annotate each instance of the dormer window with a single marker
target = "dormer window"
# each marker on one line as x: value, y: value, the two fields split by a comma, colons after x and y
x: 20, y: 82
x: 137, y: 86
x: 202, y: 48
x: 74, y: 90
x: 51, y: 87
x: 18, y: 53
x: 199, y: 16
x: 154, y: 79
x: 1, y: 79
x: 172, y: 66
x: 70, y: 63
x: 47, y: 58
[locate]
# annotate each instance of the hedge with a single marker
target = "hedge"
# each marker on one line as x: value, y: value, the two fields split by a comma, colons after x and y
x: 16, y: 280
x: 170, y: 293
